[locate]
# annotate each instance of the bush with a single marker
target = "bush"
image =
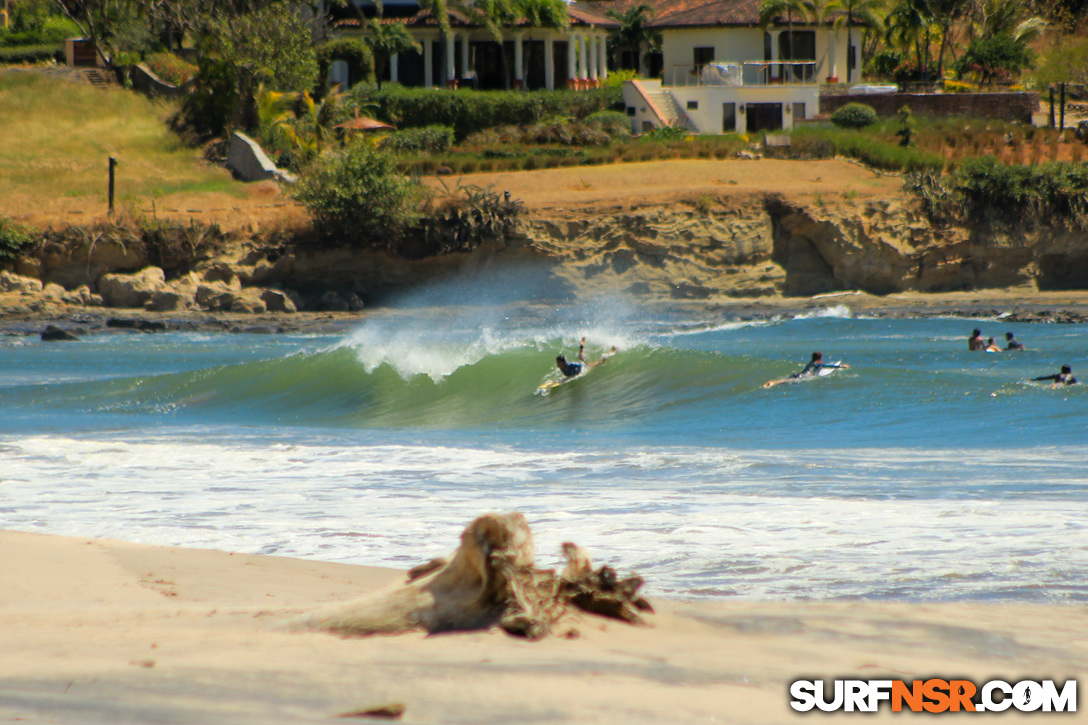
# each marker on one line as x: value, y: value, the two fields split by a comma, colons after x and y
x: 32, y: 54
x: 171, y: 68
x: 614, y: 123
x: 354, y: 52
x: 357, y: 196
x: 210, y: 108
x: 469, y: 111
x: 429, y: 139
x: 1015, y: 194
x: 854, y: 115
x: 13, y: 238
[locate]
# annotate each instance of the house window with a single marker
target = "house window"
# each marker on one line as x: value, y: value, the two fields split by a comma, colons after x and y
x: 630, y: 110
x: 801, y: 45
x: 729, y: 118
x: 798, y: 112
x: 703, y: 56
x: 693, y: 105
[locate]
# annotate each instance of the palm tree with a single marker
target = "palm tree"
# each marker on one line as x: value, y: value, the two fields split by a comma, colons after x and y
x: 769, y: 10
x: 633, y: 32
x: 385, y: 41
x: 819, y: 12
x: 910, y: 23
x: 866, y: 12
x: 540, y: 14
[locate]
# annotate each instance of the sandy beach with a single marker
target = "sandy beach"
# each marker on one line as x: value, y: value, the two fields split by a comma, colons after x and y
x: 100, y: 631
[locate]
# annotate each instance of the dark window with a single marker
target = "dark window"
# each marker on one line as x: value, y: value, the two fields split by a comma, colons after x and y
x: 693, y: 105
x: 630, y: 110
x: 798, y: 112
x: 802, y: 46
x: 703, y: 56
x: 729, y: 118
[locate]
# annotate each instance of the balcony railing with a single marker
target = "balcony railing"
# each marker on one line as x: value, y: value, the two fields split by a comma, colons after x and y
x: 746, y: 73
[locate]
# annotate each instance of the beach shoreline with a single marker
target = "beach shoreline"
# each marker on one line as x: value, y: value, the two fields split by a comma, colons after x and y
x: 1011, y: 305
x: 104, y: 631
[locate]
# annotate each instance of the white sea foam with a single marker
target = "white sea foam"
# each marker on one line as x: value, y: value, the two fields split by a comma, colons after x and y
x: 693, y: 521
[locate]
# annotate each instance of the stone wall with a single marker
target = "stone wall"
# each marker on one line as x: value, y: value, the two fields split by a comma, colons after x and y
x: 145, y: 81
x: 1003, y: 106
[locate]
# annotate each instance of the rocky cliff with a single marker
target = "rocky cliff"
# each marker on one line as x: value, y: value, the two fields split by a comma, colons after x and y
x: 758, y: 245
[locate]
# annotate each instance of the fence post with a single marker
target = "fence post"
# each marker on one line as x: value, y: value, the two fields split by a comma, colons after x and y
x: 113, y: 165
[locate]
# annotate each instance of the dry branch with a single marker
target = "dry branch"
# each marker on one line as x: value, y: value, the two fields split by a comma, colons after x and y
x: 490, y: 580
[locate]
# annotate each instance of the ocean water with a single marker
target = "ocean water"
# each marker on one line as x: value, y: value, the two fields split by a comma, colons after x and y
x: 922, y: 472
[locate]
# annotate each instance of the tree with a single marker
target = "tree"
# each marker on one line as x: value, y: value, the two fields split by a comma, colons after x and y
x: 270, y: 45
x: 907, y: 126
x: 98, y: 20
x: 539, y: 14
x: 910, y: 24
x: 770, y: 10
x: 633, y: 33
x: 819, y: 12
x: 386, y: 40
x: 994, y: 57
x: 854, y: 12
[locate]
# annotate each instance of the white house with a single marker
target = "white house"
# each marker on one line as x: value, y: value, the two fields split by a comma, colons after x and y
x: 528, y: 57
x: 723, y: 72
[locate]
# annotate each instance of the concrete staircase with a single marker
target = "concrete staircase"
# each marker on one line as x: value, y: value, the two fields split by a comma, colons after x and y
x: 96, y: 78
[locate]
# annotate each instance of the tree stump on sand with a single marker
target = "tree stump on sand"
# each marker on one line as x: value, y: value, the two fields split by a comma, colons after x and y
x: 490, y: 580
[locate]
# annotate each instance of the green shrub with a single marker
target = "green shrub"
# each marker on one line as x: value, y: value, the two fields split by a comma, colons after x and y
x: 210, y: 108
x: 470, y: 111
x: 1017, y: 194
x: 354, y: 52
x: 13, y: 238
x: 616, y: 78
x: 854, y: 115
x: 429, y: 139
x: 666, y: 133
x: 32, y: 54
x: 357, y: 196
x: 170, y: 68
x: 614, y: 123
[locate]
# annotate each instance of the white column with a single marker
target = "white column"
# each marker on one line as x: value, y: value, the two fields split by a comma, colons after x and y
x: 583, y: 68
x: 591, y: 41
x: 602, y: 57
x: 832, y: 41
x: 519, y: 59
x: 464, y: 56
x: 394, y: 71
x: 572, y: 48
x: 450, y: 71
x: 428, y: 62
x: 549, y: 62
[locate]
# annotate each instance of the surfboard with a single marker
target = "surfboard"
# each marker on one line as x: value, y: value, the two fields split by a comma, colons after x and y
x: 822, y: 373
x: 548, y: 385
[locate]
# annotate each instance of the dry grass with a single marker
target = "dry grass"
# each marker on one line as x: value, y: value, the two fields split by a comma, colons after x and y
x: 57, y: 137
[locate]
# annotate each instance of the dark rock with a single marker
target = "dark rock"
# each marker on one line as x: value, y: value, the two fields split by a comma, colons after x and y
x: 52, y: 333
x: 123, y: 323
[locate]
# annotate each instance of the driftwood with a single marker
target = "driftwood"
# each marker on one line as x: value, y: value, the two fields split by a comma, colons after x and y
x: 490, y: 580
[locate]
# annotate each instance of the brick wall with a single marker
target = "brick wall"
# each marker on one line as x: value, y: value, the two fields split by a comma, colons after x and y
x: 1005, y: 106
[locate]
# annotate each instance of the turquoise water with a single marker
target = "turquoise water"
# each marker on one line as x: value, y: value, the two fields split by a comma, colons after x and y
x: 921, y: 472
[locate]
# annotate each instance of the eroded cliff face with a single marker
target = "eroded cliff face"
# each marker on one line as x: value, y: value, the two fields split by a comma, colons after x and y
x: 777, y: 246
x: 759, y: 245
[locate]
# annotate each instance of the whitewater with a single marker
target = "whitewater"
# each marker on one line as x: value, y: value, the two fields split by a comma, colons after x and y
x: 922, y: 472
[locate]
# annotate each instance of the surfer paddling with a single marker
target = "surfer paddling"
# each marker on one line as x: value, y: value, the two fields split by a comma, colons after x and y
x: 1065, y: 377
x: 811, y: 370
x: 574, y: 369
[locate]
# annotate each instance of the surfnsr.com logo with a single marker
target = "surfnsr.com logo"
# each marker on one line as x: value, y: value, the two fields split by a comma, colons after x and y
x: 933, y: 695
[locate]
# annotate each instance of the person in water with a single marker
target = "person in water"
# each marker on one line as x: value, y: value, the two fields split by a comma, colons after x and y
x: 570, y: 369
x: 815, y: 365
x: 991, y: 346
x: 1012, y: 344
x: 1065, y: 377
x: 975, y: 341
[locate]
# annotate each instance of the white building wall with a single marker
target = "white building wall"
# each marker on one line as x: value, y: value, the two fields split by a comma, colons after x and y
x: 707, y: 118
x: 746, y: 44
